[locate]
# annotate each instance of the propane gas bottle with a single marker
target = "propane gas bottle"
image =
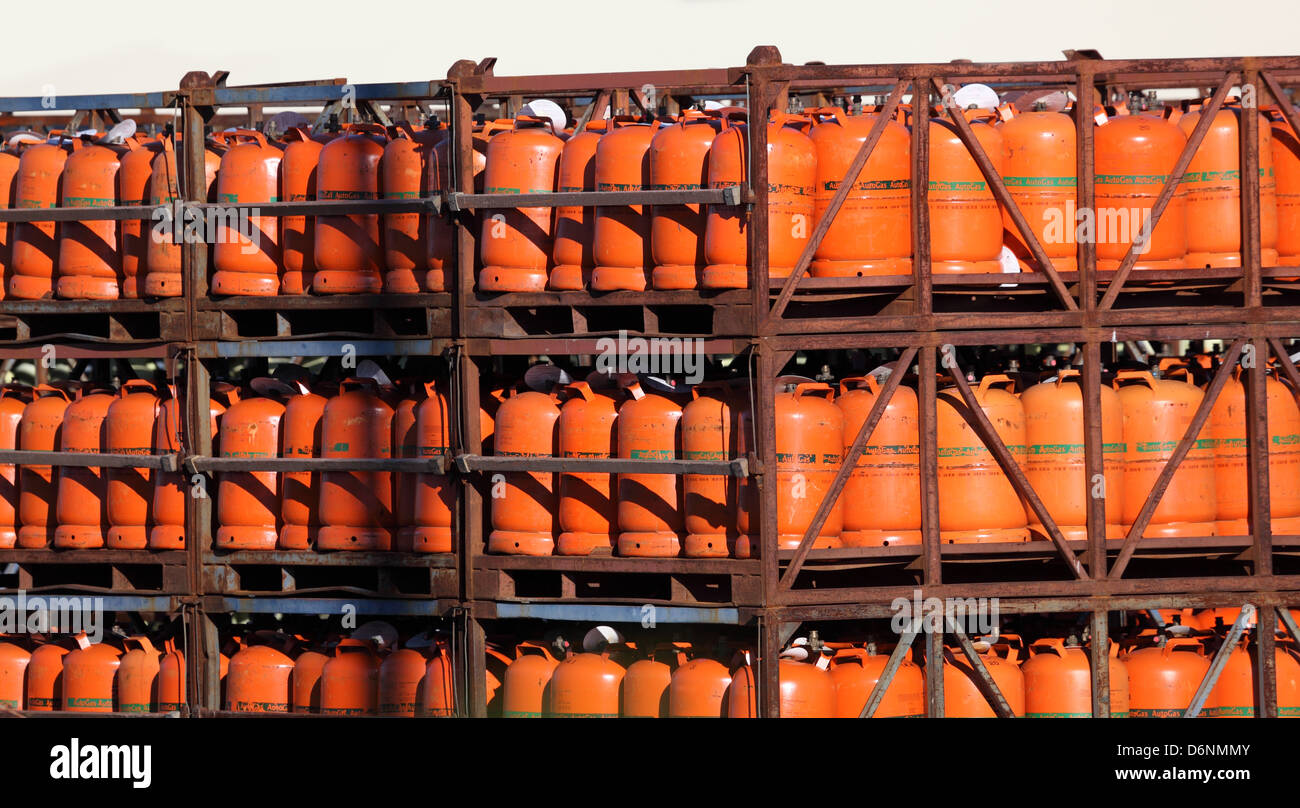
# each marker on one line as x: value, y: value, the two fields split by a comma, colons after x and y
x: 82, y: 504
x: 807, y: 688
x: 1286, y: 167
x: 35, y: 245
x: 44, y: 690
x: 710, y: 431
x: 401, y: 675
x: 163, y: 260
x: 137, y: 676
x: 14, y: 660
x: 526, y: 686
x: 171, y: 677
x: 90, y: 265
x: 1234, y: 694
x: 855, y: 672
x: 349, y: 683
x: 248, y: 502
x: 1040, y: 172
x: 621, y: 240
x: 1227, y: 429
x: 434, y: 498
x: 298, y: 172
x: 404, y: 448
x: 133, y: 177
x: 977, y: 502
x: 90, y: 677
x: 679, y: 161
x: 965, y: 217
x: 1134, y: 155
x: 258, y: 681
x: 961, y: 695
x: 305, y: 681
x: 10, y: 156
x: 882, y: 497
x: 524, y: 512
x: 1156, y: 414
x: 348, y: 253
x: 1058, y: 681
x: 646, y: 683
x: 1163, y: 678
x: 443, y: 231
x: 356, y: 507
x: 129, y: 428
x: 40, y: 430
x: 586, y: 428
x: 438, y: 696
x: 14, y: 400
x: 871, y: 233
x: 300, y: 490
x: 649, y: 505
x: 247, y: 257
x: 517, y: 242
x: 699, y: 689
x: 587, y: 685
x: 574, y: 224
x: 404, y: 174
x: 172, y: 488
x: 1055, y: 468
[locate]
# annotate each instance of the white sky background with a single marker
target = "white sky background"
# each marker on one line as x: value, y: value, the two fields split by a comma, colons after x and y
x: 83, y: 47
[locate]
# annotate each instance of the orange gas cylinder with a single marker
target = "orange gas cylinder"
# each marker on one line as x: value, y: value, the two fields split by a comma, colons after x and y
x: 133, y: 177
x: 401, y: 675
x: 855, y: 672
x: 976, y: 500
x: 171, y: 677
x: 163, y: 262
x: 14, y: 400
x: 434, y: 498
x: 965, y: 217
x: 258, y: 681
x: 35, y: 247
x: 497, y: 665
x: 1163, y: 678
x: 1227, y: 430
x: 129, y: 428
x: 649, y: 505
x: 247, y: 257
x: 516, y: 242
x: 82, y: 504
x: 807, y: 688
x: 137, y: 677
x: 356, y: 507
x: 645, y: 686
x: 882, y: 497
x: 962, y: 697
x: 172, y: 488
x: 574, y: 224
x: 248, y: 502
x: 404, y: 174
x: 442, y: 229
x: 792, y: 175
x: 9, y: 159
x: 299, y: 490
x: 526, y: 686
x: 872, y: 233
x: 710, y: 431
x: 1213, y: 181
x: 1134, y: 156
x: 622, y: 232
x: 1054, y: 428
x: 14, y: 660
x: 89, y: 677
x: 1233, y: 695
x: 349, y: 684
x: 45, y: 677
x: 1156, y: 414
x: 523, y: 502
x: 1039, y: 170
x: 699, y: 689
x: 1058, y: 681
x: 348, y: 253
x: 404, y: 447
x: 1286, y: 165
x: 89, y: 262
x: 741, y: 699
x: 587, y: 685
x: 679, y: 161
x: 298, y: 168
x: 39, y: 431
x: 305, y: 681
x: 586, y: 505
x: 438, y: 696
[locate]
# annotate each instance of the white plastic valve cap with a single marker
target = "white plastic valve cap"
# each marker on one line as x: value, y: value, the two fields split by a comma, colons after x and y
x: 600, y: 637
x: 543, y: 377
x: 544, y: 108
x: 121, y: 132
x: 976, y: 95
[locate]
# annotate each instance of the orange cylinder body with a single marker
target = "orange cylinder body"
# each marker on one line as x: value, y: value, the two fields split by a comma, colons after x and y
x: 400, y: 677
x: 438, y: 697
x: 298, y: 170
x: 1227, y: 430
x: 405, y: 174
x: 89, y: 677
x: 13, y: 674
x: 1058, y: 682
x: 129, y: 428
x: 39, y: 431
x: 133, y: 177
x: 34, y: 245
x: 442, y: 231
x: 586, y: 428
x: 14, y: 400
x: 855, y: 672
x: 1134, y: 156
x: 82, y: 506
x: 710, y: 431
x: 434, y: 497
x: 247, y: 257
x: 1054, y: 434
x: 649, y: 505
x: 163, y: 260
x: 872, y: 233
x: 882, y: 497
x: 1039, y: 170
x: 1164, y: 678
x: 300, y: 490
x: 965, y: 217
x: 622, y: 232
x: 44, y: 688
x: 248, y: 502
x: 699, y: 689
x: 526, y: 686
x: 976, y: 500
x: 172, y: 488
x: 575, y: 225
x: 517, y: 242
x: 807, y: 689
x: 356, y: 507
x: 349, y: 683
x: 1286, y: 167
x: 1213, y: 181
x: 305, y: 681
x: 89, y: 262
x: 137, y: 677
x: 1156, y: 414
x: 646, y: 683
x: 962, y: 697
x: 679, y: 161
x: 587, y: 686
x: 258, y: 681
x: 349, y: 254
x: 524, y: 515
x: 404, y: 447
x: 9, y: 160
x: 171, y: 678
x: 1233, y: 695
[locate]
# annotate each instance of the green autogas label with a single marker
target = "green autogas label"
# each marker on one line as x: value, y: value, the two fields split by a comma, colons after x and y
x: 871, y: 185
x: 974, y: 451
x: 970, y: 185
x: 1169, y: 445
x: 233, y: 199
x: 651, y: 454
x: 347, y: 194
x: 1040, y: 182
x: 706, y: 455
x: 672, y: 186
x: 1131, y: 179
x: 893, y: 449
x: 1073, y: 448
x: 86, y: 202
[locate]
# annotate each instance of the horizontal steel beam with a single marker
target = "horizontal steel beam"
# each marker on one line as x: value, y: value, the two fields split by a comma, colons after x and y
x: 166, y: 462
x: 584, y: 613
x: 731, y: 195
x: 239, y: 349
x: 430, y: 465
x: 736, y: 467
x: 329, y: 606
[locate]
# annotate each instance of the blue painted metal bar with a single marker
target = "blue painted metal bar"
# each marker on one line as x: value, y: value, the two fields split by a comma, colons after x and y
x: 281, y: 348
x: 641, y: 615
x: 281, y: 94
x: 334, y: 606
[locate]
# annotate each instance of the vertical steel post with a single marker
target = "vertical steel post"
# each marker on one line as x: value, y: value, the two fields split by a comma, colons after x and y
x: 1266, y: 662
x: 921, y: 277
